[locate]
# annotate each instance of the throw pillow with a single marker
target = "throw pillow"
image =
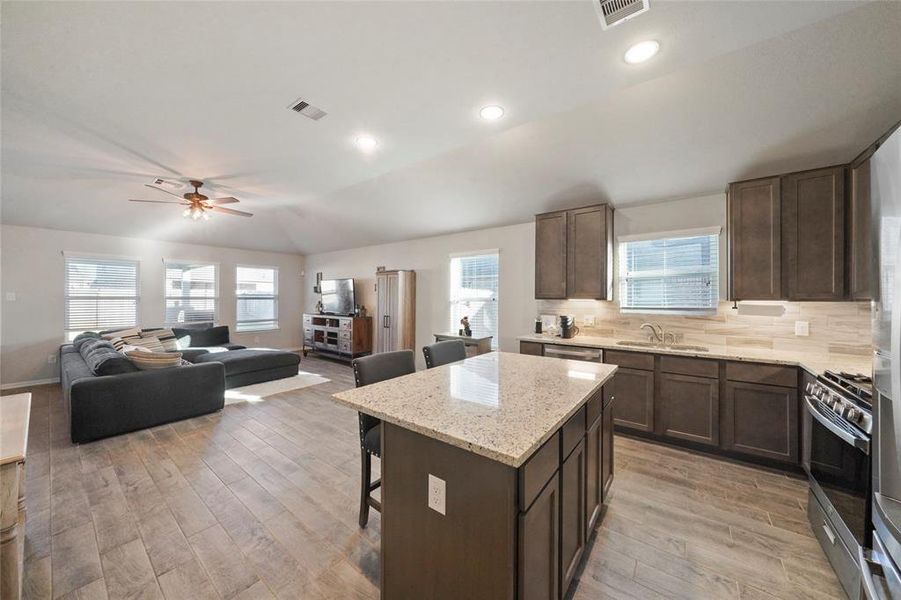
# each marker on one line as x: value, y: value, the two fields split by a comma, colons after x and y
x: 106, y: 361
x: 154, y: 360
x: 165, y: 336
x: 92, y: 345
x: 202, y: 338
x: 83, y: 337
x: 122, y: 333
x: 151, y: 343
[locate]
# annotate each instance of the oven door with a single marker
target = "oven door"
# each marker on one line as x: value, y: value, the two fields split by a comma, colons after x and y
x: 837, y: 459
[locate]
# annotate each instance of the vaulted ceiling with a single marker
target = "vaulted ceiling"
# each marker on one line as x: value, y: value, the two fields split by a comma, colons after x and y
x: 100, y: 98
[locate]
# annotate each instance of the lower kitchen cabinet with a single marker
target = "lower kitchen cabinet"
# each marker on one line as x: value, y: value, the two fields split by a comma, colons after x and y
x: 688, y: 408
x: 532, y: 348
x: 634, y: 391
x: 594, y: 478
x: 572, y: 515
x: 607, y: 449
x: 761, y: 420
x: 539, y: 530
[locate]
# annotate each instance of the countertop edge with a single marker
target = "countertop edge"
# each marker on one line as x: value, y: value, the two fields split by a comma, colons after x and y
x: 506, y: 459
x: 713, y: 355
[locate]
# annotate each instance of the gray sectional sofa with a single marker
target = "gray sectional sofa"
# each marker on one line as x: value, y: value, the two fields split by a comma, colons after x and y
x: 107, y: 395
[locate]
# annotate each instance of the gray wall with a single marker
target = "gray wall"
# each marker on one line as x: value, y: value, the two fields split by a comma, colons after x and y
x: 32, y: 267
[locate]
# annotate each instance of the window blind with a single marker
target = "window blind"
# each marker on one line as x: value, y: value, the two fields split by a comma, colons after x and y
x: 192, y: 292
x: 257, y: 298
x: 473, y: 293
x: 101, y: 293
x: 679, y: 274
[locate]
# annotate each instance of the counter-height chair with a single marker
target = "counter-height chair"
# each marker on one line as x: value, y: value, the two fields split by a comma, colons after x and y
x: 442, y: 353
x: 367, y: 370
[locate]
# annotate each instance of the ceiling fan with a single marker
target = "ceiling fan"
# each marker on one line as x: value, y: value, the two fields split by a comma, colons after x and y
x: 197, y: 205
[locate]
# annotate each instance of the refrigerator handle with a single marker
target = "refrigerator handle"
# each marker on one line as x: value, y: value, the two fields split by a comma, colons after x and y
x: 895, y: 358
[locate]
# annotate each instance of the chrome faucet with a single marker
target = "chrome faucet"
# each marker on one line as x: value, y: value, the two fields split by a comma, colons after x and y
x: 657, y: 333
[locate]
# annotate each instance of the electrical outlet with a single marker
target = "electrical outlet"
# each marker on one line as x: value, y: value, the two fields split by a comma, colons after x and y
x: 51, y: 359
x: 802, y: 328
x: 588, y: 320
x: 437, y: 494
x: 10, y: 296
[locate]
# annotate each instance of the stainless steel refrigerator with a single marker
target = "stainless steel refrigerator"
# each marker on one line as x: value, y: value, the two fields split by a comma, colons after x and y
x: 881, y: 565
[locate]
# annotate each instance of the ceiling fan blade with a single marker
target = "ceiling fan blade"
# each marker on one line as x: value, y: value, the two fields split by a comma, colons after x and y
x: 226, y: 200
x: 159, y: 201
x: 153, y: 187
x: 230, y: 211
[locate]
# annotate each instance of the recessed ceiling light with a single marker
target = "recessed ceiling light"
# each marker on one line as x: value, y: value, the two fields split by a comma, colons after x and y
x: 491, y: 113
x: 641, y: 52
x: 366, y: 143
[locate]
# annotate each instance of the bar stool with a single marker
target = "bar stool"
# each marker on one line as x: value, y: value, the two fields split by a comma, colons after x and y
x: 442, y: 353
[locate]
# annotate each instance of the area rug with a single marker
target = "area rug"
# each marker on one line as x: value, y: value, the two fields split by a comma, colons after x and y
x: 258, y: 391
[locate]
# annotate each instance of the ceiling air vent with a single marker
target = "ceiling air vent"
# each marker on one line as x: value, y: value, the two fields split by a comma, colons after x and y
x: 306, y: 109
x: 167, y: 184
x: 614, y: 12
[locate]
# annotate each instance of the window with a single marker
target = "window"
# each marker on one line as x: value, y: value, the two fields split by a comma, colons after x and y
x: 192, y: 292
x: 473, y: 293
x: 677, y: 272
x: 101, y: 293
x: 256, y: 294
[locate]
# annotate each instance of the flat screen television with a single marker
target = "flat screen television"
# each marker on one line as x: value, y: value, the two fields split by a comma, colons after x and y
x: 337, y: 296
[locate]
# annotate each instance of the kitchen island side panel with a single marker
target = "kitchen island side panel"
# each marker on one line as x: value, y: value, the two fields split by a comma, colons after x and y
x: 470, y: 552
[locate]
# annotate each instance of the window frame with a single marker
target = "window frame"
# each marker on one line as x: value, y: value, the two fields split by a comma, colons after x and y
x: 69, y: 334
x: 454, y: 327
x: 670, y: 235
x: 273, y: 297
x: 166, y: 297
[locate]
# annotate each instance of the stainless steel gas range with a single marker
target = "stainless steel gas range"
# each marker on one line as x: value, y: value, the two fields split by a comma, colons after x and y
x: 836, y: 441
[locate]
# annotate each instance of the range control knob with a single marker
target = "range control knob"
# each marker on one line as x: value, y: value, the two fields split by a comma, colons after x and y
x: 853, y: 415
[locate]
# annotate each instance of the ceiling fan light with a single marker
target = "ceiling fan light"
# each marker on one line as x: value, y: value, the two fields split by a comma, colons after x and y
x: 206, y: 216
x: 186, y: 213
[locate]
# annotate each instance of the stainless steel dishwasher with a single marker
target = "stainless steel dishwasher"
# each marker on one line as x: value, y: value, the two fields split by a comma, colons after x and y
x: 573, y: 353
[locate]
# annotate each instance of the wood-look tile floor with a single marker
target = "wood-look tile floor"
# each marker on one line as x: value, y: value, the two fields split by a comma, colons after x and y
x: 260, y: 501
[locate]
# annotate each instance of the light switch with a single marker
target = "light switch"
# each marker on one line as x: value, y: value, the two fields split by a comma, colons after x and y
x: 10, y: 296
x: 802, y: 328
x: 436, y: 494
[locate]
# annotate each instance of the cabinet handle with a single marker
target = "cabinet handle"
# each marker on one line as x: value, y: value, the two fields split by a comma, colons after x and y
x: 829, y: 533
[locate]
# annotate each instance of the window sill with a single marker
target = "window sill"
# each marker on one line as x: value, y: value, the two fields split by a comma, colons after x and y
x: 251, y: 329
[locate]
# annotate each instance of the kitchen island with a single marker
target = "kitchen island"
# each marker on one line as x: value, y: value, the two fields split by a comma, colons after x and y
x: 494, y: 471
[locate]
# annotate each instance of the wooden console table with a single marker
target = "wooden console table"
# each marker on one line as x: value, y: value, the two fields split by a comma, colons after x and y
x: 482, y: 345
x: 14, y: 413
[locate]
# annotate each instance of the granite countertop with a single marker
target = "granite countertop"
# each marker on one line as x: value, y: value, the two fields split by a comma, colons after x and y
x: 500, y: 405
x: 813, y: 363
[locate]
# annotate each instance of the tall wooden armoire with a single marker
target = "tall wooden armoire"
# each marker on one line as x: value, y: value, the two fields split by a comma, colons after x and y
x: 395, y: 318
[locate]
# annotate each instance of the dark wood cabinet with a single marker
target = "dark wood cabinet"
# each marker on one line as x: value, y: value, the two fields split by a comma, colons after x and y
x: 594, y: 483
x: 813, y: 234
x: 688, y: 408
x: 550, y: 256
x: 586, y: 253
x: 574, y: 253
x: 539, y: 530
x: 761, y: 420
x: 533, y: 348
x: 572, y: 515
x: 859, y: 240
x: 633, y: 390
x: 755, y: 239
x: 607, y: 448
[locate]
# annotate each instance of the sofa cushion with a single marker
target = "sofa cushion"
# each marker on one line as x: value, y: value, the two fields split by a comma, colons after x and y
x: 151, y: 343
x: 201, y: 338
x: 254, y: 359
x: 165, y: 336
x: 83, y: 337
x: 89, y: 346
x: 106, y: 361
x: 192, y: 354
x: 154, y: 360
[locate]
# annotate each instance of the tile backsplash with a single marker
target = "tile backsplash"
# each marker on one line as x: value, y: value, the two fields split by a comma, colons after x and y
x: 839, y: 329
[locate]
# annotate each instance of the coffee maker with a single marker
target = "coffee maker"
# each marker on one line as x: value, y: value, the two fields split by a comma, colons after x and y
x: 568, y: 327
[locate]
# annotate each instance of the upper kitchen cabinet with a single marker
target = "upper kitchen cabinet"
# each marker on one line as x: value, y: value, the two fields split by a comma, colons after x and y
x: 813, y: 234
x: 859, y: 241
x: 574, y: 253
x: 755, y: 246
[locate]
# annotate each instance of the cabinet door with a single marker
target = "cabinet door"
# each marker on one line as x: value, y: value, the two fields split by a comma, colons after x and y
x: 381, y: 341
x: 572, y: 515
x: 607, y: 448
x: 586, y: 253
x: 688, y: 408
x: 813, y: 234
x: 533, y: 348
x: 539, y: 530
x: 755, y: 246
x: 594, y: 484
x: 859, y: 243
x: 550, y: 256
x: 392, y: 314
x: 634, y: 393
x: 761, y: 420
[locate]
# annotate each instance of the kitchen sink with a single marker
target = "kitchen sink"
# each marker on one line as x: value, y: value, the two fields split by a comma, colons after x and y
x: 658, y: 346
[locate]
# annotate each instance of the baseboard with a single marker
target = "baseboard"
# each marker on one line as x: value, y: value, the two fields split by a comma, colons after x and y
x: 23, y: 384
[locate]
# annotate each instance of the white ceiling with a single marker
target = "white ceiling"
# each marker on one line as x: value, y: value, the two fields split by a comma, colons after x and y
x: 99, y: 98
